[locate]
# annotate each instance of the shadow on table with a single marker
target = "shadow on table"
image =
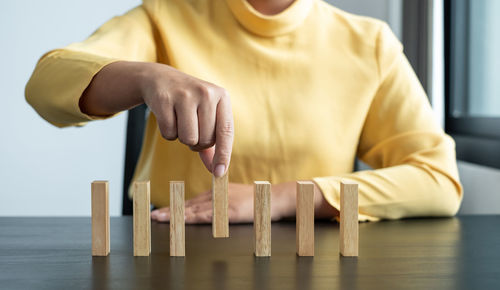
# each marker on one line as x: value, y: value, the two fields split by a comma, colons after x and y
x: 100, y: 273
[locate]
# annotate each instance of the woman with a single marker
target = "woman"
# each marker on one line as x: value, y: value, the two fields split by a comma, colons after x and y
x: 310, y: 88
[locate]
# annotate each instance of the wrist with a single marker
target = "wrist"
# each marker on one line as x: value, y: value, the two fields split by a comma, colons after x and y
x: 322, y: 208
x: 144, y: 78
x: 284, y: 200
x: 150, y: 77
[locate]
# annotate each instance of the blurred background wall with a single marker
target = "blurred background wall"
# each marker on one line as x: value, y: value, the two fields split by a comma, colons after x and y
x: 45, y: 171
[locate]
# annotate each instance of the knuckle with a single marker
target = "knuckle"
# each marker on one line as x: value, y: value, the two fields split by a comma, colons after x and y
x: 227, y: 129
x: 188, y: 140
x: 204, y: 92
x: 224, y: 154
x: 223, y: 93
x: 169, y: 134
x: 183, y: 96
x: 181, y: 92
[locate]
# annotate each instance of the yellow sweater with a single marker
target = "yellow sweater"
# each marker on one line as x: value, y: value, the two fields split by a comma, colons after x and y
x: 311, y: 88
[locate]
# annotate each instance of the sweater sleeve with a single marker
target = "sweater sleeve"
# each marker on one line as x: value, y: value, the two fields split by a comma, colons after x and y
x: 62, y: 75
x: 415, y: 171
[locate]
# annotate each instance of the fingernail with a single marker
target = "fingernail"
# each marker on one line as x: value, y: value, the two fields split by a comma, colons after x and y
x: 162, y: 214
x: 219, y: 170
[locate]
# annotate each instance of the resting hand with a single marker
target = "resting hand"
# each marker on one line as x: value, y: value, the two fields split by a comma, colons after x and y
x: 240, y: 205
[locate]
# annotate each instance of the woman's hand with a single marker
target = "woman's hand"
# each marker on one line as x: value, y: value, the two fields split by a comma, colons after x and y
x: 240, y: 205
x: 199, y: 209
x: 197, y: 112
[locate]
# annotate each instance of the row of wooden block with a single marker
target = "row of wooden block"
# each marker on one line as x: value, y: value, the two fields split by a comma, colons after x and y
x: 348, y: 244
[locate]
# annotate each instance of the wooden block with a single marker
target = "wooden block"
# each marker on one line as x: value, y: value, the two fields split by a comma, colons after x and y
x: 349, y: 219
x: 220, y: 221
x: 262, y: 218
x: 100, y: 218
x: 177, y: 223
x: 142, y: 218
x: 305, y: 218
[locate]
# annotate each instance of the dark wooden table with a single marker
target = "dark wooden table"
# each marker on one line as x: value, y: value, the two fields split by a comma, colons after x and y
x: 55, y: 253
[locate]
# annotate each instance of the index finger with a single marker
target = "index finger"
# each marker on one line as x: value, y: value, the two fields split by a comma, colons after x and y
x: 224, y: 135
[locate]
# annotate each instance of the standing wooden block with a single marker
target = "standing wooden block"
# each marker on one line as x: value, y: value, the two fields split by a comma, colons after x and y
x: 100, y: 218
x: 262, y: 218
x: 177, y: 228
x: 348, y: 218
x: 220, y: 221
x: 305, y: 218
x: 142, y: 219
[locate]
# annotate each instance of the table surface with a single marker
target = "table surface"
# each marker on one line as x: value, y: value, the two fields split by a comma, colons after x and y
x: 450, y: 253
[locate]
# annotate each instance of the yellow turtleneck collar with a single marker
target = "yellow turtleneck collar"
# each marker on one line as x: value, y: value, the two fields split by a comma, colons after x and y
x: 270, y: 25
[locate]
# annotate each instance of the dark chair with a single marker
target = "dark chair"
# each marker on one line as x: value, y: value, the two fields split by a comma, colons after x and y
x: 136, y: 123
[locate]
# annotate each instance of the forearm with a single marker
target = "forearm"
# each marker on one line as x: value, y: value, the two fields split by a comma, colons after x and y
x: 115, y: 88
x: 196, y: 112
x: 407, y: 190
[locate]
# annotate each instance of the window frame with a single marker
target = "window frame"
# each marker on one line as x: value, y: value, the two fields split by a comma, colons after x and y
x: 477, y: 138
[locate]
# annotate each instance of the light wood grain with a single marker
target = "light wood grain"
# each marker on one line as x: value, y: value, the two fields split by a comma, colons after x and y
x: 142, y: 218
x: 262, y: 218
x: 305, y: 218
x: 100, y: 218
x: 177, y: 223
x: 349, y: 218
x: 220, y: 220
